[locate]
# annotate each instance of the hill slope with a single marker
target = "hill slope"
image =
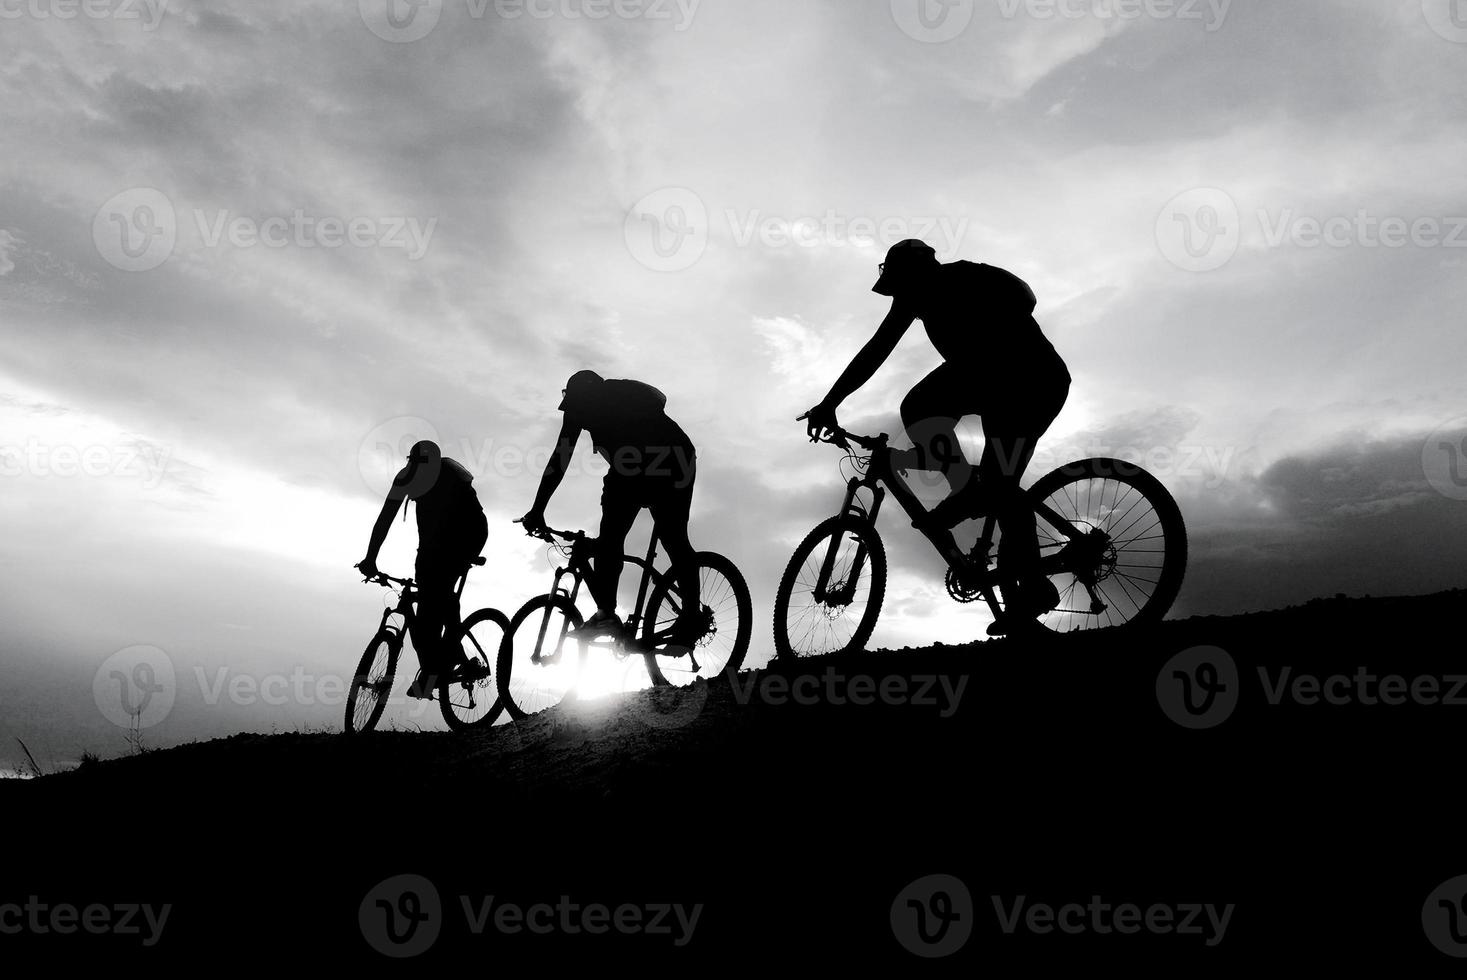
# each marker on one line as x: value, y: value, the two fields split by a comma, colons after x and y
x: 793, y: 805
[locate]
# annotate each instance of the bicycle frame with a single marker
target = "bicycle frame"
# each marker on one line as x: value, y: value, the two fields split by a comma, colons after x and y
x: 406, y: 607
x: 578, y: 567
x: 881, y: 478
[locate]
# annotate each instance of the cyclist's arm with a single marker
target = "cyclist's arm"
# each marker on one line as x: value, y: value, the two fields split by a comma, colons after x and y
x: 390, y: 506
x: 871, y: 357
x: 556, y: 466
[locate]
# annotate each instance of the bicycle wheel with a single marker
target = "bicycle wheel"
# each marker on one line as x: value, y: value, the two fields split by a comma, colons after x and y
x: 1126, y: 565
x: 371, y: 686
x: 475, y: 703
x: 538, y: 663
x: 724, y: 597
x: 817, y: 614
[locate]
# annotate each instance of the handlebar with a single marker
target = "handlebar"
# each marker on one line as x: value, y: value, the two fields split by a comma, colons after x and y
x: 842, y: 438
x: 550, y: 534
x: 382, y: 578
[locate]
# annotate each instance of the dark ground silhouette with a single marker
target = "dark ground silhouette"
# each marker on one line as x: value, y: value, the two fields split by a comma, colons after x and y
x: 1058, y: 776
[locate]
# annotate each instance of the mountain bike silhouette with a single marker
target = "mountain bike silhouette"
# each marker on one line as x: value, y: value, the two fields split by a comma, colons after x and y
x: 540, y: 660
x: 467, y: 694
x: 1111, y: 539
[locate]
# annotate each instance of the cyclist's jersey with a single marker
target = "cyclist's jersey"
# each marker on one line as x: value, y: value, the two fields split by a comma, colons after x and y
x: 983, y: 315
x: 629, y: 427
x: 446, y: 505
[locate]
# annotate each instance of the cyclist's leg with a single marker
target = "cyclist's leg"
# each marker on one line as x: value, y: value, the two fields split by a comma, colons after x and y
x: 930, y: 414
x: 470, y: 546
x: 620, y: 504
x: 1011, y: 435
x: 670, y: 508
x: 436, y: 574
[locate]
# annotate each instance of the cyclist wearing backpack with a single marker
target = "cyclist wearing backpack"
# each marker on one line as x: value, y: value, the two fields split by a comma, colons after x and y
x: 653, y: 465
x: 451, y: 533
x: 997, y: 364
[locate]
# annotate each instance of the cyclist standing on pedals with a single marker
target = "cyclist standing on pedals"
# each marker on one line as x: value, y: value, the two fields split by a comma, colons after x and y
x: 653, y: 465
x: 451, y: 533
x: 997, y: 364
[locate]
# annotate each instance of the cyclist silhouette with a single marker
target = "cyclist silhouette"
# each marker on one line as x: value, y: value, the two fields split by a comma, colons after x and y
x: 997, y: 364
x: 653, y: 465
x: 451, y: 533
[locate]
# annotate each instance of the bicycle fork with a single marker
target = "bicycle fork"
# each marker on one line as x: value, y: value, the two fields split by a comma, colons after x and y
x: 555, y: 589
x: 846, y: 591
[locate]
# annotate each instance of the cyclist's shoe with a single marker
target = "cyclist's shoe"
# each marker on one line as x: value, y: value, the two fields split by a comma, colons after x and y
x: 424, y: 686
x: 471, y: 670
x: 600, y: 625
x: 686, y: 633
x: 1030, y: 602
x: 1039, y: 597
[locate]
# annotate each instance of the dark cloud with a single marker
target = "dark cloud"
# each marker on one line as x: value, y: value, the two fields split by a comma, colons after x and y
x: 1359, y: 517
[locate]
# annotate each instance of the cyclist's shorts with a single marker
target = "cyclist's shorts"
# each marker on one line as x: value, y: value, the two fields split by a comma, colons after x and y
x: 669, y: 495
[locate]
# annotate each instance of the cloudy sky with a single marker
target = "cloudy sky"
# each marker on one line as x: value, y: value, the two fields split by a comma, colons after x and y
x: 246, y: 249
